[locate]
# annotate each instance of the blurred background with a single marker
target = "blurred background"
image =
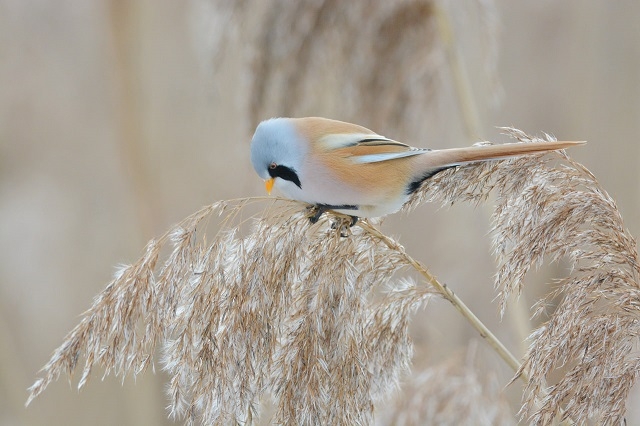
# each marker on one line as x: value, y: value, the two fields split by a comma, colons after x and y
x: 119, y: 118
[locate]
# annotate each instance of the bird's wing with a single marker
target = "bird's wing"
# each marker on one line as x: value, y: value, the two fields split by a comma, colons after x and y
x: 363, y: 148
x: 386, y: 156
x: 344, y: 140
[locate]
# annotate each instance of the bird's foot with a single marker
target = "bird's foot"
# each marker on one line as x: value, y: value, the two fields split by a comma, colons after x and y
x: 344, y: 224
x: 314, y: 212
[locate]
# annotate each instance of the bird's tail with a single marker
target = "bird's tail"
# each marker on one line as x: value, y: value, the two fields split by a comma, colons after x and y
x: 457, y: 156
x: 432, y: 162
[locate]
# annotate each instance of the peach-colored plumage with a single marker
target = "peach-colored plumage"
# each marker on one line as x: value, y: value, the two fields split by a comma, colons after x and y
x: 353, y: 170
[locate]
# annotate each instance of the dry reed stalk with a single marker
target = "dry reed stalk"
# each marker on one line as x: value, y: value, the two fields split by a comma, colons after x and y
x: 285, y: 309
x: 275, y: 305
x: 590, y: 340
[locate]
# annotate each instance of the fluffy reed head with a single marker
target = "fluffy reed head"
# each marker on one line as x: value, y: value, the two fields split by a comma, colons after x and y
x: 552, y: 206
x: 271, y: 305
x: 284, y: 307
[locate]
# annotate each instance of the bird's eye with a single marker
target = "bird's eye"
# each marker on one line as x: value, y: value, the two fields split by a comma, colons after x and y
x: 273, y: 166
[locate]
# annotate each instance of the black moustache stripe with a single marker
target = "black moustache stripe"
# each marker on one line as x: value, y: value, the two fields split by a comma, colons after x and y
x: 286, y: 173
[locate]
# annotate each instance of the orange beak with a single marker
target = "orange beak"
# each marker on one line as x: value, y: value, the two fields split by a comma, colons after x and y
x: 268, y: 184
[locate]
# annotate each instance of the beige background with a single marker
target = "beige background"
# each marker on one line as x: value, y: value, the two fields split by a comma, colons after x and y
x: 117, y: 119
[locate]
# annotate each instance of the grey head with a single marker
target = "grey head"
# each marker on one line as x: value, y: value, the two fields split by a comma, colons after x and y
x: 278, y: 150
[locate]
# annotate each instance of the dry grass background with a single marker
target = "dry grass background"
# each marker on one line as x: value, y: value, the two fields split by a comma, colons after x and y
x: 119, y: 119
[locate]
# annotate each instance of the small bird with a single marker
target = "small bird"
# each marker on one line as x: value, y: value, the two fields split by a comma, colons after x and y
x: 349, y: 169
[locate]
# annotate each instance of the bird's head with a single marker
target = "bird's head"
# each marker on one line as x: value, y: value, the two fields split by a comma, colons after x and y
x: 277, y: 152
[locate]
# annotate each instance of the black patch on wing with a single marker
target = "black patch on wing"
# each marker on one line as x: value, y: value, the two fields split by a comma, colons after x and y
x: 286, y: 173
x: 416, y: 184
x: 372, y: 141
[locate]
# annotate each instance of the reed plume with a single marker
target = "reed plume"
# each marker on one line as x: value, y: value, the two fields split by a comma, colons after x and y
x: 552, y: 206
x: 249, y: 306
x: 285, y: 308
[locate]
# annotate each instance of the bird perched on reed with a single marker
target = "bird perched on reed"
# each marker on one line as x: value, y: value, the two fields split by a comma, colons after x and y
x: 347, y: 168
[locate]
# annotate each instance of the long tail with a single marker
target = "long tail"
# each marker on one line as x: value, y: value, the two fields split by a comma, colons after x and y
x: 458, y: 156
x: 432, y: 162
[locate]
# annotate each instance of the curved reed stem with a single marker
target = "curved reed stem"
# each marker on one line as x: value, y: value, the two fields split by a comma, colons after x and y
x: 450, y: 295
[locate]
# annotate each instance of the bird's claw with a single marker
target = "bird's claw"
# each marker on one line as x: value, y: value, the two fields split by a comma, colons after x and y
x: 314, y: 212
x: 344, y: 224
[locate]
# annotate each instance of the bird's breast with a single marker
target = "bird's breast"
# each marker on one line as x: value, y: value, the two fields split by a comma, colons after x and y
x: 376, y: 189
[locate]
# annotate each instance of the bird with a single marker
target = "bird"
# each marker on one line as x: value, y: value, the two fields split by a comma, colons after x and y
x: 349, y: 169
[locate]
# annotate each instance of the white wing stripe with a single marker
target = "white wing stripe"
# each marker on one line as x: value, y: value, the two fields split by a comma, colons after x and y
x: 342, y: 140
x: 376, y: 158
